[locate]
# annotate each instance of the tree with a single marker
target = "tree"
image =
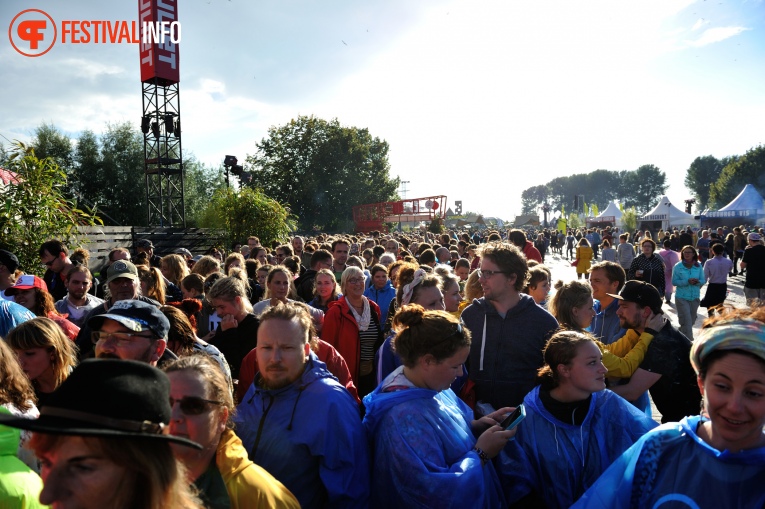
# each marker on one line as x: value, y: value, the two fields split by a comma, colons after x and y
x: 645, y: 185
x: 49, y: 141
x: 321, y: 169
x: 701, y: 174
x: 35, y: 208
x: 201, y: 183
x: 247, y: 212
x: 629, y: 219
x: 436, y: 225
x: 748, y: 169
x: 124, y: 184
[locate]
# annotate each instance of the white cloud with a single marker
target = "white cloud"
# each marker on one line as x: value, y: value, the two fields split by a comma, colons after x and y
x: 699, y: 23
x: 712, y: 35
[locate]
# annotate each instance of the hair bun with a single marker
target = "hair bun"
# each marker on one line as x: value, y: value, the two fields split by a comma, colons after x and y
x: 559, y: 284
x: 409, y: 315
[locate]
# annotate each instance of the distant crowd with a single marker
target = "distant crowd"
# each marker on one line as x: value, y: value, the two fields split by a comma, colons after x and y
x: 386, y: 370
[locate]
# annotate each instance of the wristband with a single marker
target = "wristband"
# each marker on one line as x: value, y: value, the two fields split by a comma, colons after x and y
x: 482, y: 455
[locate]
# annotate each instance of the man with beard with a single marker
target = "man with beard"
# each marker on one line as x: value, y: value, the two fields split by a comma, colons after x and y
x: 340, y: 250
x: 298, y: 422
x: 123, y: 284
x: 78, y: 302
x: 666, y: 370
x: 130, y: 330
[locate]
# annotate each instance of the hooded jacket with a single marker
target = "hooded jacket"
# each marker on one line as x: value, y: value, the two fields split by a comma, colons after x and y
x: 673, y: 463
x: 309, y: 436
x: 249, y: 485
x: 382, y: 297
x: 506, y: 353
x: 559, y: 461
x: 20, y: 486
x: 680, y: 276
x: 423, y: 452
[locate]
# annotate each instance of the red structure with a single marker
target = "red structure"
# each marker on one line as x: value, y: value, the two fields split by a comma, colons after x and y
x: 373, y: 216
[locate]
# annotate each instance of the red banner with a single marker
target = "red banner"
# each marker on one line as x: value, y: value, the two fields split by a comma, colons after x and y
x: 160, y: 32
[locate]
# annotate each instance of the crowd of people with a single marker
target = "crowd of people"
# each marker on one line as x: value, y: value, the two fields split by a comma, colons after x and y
x: 377, y: 370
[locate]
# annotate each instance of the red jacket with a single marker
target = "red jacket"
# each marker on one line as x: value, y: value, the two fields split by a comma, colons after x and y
x: 341, y: 331
x: 531, y: 252
x: 326, y: 354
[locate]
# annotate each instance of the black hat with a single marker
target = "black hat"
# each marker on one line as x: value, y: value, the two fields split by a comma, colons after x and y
x: 641, y: 293
x: 9, y: 260
x: 136, y: 315
x: 107, y: 398
x: 144, y: 243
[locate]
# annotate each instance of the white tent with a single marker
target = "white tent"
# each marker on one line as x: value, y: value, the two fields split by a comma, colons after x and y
x: 747, y: 199
x: 668, y: 214
x: 611, y: 211
x: 747, y: 207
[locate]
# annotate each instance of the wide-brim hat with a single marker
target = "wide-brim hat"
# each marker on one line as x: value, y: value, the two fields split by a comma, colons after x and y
x: 107, y: 398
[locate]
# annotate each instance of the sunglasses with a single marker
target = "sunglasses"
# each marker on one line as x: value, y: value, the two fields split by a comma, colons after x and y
x: 192, y: 405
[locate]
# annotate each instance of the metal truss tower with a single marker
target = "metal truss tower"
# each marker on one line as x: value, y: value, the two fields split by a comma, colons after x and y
x: 163, y: 161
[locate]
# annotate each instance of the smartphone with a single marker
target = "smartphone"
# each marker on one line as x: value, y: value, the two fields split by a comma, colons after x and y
x: 512, y: 420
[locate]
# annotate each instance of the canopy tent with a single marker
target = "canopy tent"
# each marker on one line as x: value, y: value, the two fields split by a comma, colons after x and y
x: 665, y: 215
x: 747, y: 208
x: 610, y: 216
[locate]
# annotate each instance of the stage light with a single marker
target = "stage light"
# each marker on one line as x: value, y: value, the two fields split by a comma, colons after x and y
x: 155, y: 129
x: 230, y: 161
x: 145, y: 124
x: 169, y: 124
x: 178, y: 128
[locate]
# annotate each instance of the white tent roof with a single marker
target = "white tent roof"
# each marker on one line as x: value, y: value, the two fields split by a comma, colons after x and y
x: 612, y: 210
x: 664, y: 210
x: 747, y: 199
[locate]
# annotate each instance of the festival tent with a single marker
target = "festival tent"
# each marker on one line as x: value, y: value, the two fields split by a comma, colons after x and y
x: 746, y: 208
x: 665, y: 215
x: 611, y: 216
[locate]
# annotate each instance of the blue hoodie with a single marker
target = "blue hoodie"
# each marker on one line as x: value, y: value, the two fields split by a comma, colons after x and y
x: 309, y: 436
x: 423, y: 452
x: 559, y: 461
x: 382, y: 298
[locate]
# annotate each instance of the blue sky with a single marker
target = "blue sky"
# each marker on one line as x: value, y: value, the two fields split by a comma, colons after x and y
x: 478, y: 100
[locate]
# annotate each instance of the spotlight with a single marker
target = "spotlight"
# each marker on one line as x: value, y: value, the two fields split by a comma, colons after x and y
x: 178, y: 128
x: 230, y: 161
x: 169, y: 124
x: 155, y: 129
x: 145, y: 124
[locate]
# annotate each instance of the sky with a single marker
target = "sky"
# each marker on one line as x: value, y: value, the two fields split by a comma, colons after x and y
x: 478, y: 100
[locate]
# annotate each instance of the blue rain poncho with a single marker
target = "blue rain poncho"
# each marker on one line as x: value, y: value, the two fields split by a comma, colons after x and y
x: 559, y: 461
x: 423, y: 452
x: 672, y: 467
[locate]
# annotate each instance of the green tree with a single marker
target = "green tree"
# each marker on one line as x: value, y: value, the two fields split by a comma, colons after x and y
x: 246, y: 212
x: 629, y: 219
x: 321, y: 169
x: 748, y: 169
x: 201, y: 183
x: 35, y: 208
x: 49, y: 141
x: 123, y: 195
x: 701, y: 174
x: 643, y: 187
x: 436, y: 225
x: 533, y: 198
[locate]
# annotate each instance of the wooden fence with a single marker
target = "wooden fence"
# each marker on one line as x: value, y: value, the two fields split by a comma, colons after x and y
x: 99, y: 240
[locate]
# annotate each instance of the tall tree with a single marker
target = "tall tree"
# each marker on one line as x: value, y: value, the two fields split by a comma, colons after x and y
x: 701, y: 174
x: 747, y: 169
x: 201, y: 183
x: 321, y: 169
x: 646, y: 185
x: 124, y: 184
x: 49, y: 141
x: 533, y: 197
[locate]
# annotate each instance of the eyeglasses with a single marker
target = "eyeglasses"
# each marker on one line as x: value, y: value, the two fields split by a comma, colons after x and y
x: 122, y: 339
x: 49, y: 263
x: 486, y: 274
x: 192, y: 405
x: 356, y: 280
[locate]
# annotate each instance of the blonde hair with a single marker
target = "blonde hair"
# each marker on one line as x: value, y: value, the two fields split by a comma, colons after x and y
x: 43, y: 332
x: 229, y: 288
x: 177, y: 268
x: 206, y: 265
x: 155, y: 288
x: 215, y: 380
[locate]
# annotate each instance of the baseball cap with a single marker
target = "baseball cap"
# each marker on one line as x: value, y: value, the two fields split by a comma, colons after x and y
x: 144, y: 243
x: 136, y: 315
x: 641, y: 293
x: 183, y: 251
x: 755, y: 237
x: 121, y: 268
x: 9, y: 260
x: 26, y: 282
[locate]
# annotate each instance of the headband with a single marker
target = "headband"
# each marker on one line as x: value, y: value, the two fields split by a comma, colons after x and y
x: 419, y: 275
